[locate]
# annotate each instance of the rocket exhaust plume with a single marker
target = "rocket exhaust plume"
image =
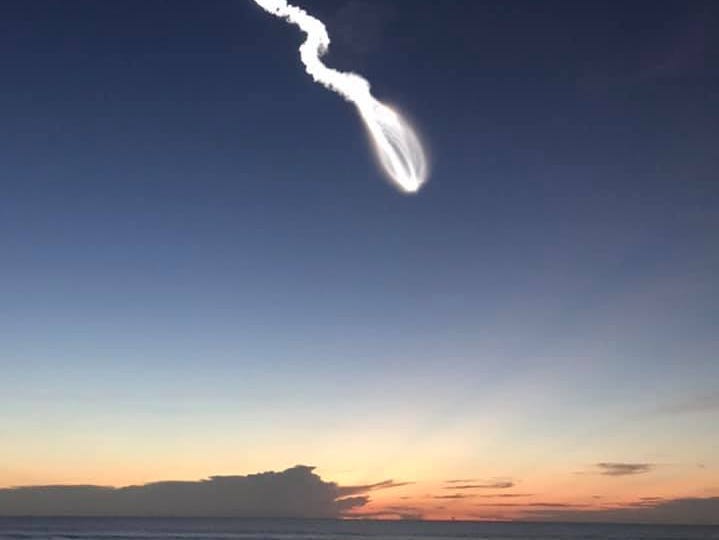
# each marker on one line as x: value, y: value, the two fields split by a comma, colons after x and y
x: 395, y: 142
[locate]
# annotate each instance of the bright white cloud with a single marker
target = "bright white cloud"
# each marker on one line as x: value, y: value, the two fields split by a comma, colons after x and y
x: 397, y: 145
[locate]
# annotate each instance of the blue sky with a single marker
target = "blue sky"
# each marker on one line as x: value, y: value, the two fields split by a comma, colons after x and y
x: 198, y: 246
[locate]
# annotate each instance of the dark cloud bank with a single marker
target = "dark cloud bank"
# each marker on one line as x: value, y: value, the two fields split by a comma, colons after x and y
x: 299, y: 492
x: 295, y: 492
x: 690, y: 511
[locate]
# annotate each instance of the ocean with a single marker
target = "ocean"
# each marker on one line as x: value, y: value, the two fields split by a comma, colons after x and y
x: 301, y: 529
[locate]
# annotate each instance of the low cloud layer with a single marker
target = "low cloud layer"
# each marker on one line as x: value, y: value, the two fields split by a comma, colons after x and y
x: 392, y: 512
x: 296, y: 492
x: 695, y: 511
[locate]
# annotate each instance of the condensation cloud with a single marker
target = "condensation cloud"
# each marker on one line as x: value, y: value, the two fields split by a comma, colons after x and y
x: 395, y: 142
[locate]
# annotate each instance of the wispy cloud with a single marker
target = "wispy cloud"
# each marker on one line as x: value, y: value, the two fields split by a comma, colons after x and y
x: 453, y: 496
x: 623, y: 469
x: 492, y: 485
x: 386, y: 484
x: 701, y: 403
x: 534, y: 504
x: 461, y: 481
x: 505, y: 495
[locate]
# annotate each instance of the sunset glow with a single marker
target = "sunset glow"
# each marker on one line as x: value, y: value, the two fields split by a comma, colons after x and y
x: 211, y: 305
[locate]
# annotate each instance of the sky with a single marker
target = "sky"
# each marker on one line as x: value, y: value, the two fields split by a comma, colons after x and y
x: 204, y: 272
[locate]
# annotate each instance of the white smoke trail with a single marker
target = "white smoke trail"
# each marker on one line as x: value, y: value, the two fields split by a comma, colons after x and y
x: 396, y: 144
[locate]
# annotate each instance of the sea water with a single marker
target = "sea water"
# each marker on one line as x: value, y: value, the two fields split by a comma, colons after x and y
x: 300, y: 529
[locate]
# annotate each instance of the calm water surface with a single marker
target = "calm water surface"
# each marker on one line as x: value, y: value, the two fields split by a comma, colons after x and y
x: 275, y: 529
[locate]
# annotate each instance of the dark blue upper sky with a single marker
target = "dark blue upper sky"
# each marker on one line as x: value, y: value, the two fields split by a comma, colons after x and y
x: 182, y: 206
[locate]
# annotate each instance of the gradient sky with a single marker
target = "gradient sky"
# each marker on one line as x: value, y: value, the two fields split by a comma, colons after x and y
x: 204, y: 272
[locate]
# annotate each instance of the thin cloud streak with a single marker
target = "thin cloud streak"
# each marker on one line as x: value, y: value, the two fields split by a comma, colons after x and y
x: 461, y: 481
x: 495, y: 485
x: 345, y: 491
x: 505, y: 495
x: 623, y: 469
x: 696, y: 404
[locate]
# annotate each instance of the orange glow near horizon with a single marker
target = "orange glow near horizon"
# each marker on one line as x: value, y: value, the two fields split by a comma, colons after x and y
x: 455, y: 490
x: 475, y: 497
x: 586, y: 492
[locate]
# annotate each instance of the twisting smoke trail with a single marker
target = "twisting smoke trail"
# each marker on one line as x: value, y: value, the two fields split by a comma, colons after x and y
x: 397, y: 145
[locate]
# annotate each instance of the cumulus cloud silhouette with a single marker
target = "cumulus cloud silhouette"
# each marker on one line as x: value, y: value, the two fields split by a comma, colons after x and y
x: 296, y: 492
